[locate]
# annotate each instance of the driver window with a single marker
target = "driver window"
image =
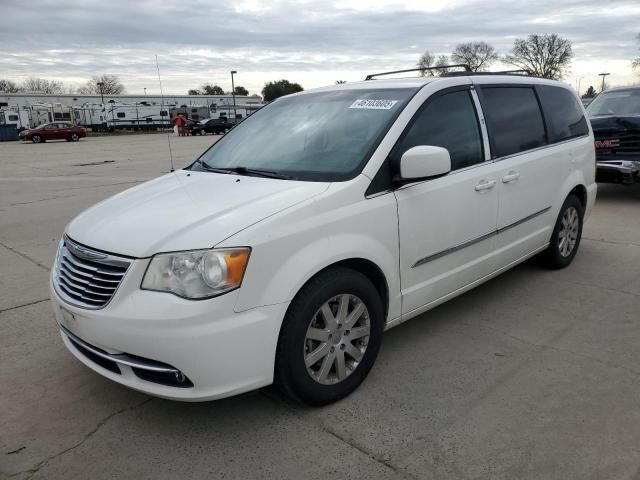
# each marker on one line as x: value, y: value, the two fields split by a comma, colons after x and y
x: 447, y: 121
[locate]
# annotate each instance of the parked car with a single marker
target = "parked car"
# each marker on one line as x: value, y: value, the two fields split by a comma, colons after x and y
x: 217, y: 126
x: 286, y: 249
x: 615, y: 119
x: 54, y: 131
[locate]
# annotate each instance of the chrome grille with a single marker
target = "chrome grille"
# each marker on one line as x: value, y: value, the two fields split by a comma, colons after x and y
x: 85, y: 277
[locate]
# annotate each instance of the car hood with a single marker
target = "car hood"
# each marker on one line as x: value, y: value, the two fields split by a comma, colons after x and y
x: 184, y: 210
x: 615, y: 123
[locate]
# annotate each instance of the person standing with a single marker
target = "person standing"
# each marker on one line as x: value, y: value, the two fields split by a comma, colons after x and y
x: 181, y: 123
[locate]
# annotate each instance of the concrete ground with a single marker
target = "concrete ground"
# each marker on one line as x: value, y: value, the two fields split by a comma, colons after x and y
x: 532, y: 375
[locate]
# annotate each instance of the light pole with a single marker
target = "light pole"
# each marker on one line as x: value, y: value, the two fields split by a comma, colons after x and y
x: 603, y: 75
x: 101, y: 85
x: 233, y: 94
x: 145, y: 91
x: 579, y: 82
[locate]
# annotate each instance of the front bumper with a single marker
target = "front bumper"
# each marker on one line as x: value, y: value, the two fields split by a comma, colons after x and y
x: 202, y: 350
x: 626, y: 172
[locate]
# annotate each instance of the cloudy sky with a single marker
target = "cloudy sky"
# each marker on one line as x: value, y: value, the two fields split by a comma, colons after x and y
x: 310, y: 42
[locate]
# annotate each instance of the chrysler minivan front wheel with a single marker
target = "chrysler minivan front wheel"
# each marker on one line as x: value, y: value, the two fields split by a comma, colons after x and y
x: 330, y: 337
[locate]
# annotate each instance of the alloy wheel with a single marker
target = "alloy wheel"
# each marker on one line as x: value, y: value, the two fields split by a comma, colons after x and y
x: 337, y: 339
x: 568, y: 234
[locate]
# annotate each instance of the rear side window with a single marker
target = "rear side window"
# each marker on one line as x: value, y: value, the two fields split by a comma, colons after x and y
x: 514, y: 119
x: 563, y: 114
x: 120, y: 114
x: 447, y: 121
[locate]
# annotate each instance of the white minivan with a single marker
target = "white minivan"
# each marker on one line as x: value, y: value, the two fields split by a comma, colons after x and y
x: 283, y: 253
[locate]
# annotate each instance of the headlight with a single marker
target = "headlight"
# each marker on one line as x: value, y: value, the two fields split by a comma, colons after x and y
x: 197, y: 274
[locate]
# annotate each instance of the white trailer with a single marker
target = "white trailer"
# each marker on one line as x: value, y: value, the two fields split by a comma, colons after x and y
x: 191, y: 112
x: 91, y: 115
x: 46, y: 113
x: 139, y: 116
x: 15, y: 116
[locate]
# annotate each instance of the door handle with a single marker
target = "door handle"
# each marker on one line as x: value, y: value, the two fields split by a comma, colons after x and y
x: 485, y: 185
x: 510, y: 177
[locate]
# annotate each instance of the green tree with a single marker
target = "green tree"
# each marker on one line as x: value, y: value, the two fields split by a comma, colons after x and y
x: 478, y: 55
x: 107, y: 84
x: 273, y: 90
x: 209, y: 89
x: 194, y: 92
x: 590, y: 93
x: 546, y: 56
x: 241, y: 91
x: 340, y: 82
x: 7, y: 86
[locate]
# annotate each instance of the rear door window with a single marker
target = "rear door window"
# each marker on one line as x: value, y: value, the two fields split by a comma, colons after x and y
x: 562, y: 113
x: 514, y: 119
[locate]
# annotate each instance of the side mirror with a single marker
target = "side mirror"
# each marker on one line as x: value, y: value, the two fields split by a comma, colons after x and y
x: 424, y: 161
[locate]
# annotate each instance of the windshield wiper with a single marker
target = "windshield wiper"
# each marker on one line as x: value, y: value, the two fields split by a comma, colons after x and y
x: 246, y: 171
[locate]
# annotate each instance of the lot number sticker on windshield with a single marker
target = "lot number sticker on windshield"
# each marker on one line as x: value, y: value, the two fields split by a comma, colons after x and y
x: 374, y: 104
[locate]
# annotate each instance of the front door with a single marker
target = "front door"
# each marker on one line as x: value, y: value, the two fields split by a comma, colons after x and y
x: 447, y: 225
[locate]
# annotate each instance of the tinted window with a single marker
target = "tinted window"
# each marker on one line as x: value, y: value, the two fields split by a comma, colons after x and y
x: 120, y: 115
x: 563, y: 114
x: 447, y: 121
x: 514, y: 119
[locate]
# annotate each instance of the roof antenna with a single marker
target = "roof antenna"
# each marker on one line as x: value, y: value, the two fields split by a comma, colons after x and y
x: 162, y: 110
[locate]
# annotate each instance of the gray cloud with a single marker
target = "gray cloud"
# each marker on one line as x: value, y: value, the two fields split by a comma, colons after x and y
x: 201, y: 41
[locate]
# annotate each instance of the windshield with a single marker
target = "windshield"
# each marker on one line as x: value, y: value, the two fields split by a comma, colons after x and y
x: 324, y: 136
x: 622, y: 102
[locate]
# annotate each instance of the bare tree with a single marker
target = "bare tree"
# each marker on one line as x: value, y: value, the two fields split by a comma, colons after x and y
x: 547, y: 56
x: 7, y: 86
x: 107, y: 84
x: 478, y: 55
x: 340, y: 82
x: 426, y: 61
x: 441, y: 62
x: 42, y: 85
x: 636, y: 61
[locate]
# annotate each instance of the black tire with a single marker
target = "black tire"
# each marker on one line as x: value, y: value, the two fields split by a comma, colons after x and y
x: 553, y: 257
x: 37, y: 139
x: 291, y: 374
x: 74, y: 137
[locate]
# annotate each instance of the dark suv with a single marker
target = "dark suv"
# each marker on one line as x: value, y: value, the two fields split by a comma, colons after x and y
x: 217, y: 126
x: 615, y: 119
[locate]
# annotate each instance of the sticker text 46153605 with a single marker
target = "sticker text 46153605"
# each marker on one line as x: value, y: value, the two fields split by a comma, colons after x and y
x: 373, y: 104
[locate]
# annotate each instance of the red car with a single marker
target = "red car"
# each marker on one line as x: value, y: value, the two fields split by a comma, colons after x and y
x: 54, y: 131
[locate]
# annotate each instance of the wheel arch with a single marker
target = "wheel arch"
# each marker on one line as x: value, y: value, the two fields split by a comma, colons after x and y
x: 580, y: 191
x: 366, y: 267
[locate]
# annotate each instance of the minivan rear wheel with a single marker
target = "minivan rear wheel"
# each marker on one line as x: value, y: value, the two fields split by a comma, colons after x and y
x: 566, y: 235
x: 330, y: 337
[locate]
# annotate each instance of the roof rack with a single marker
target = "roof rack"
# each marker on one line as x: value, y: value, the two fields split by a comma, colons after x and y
x: 503, y: 72
x: 466, y: 67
